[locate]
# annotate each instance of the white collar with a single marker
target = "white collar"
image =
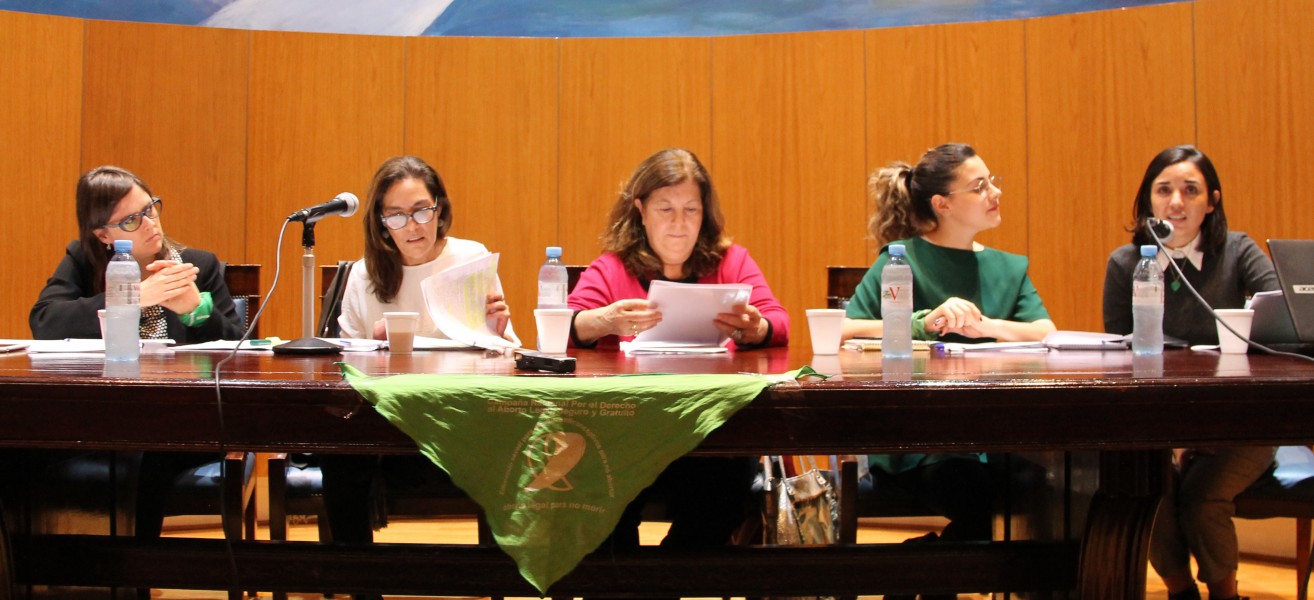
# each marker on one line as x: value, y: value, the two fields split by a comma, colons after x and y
x: 1191, y: 252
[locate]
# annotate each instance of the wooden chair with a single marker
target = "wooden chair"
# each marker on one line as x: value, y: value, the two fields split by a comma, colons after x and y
x: 840, y: 284
x: 244, y: 285
x: 1287, y: 492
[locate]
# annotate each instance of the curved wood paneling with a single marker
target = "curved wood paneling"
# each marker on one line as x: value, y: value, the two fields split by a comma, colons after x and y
x: 493, y: 139
x: 1105, y: 92
x: 621, y: 101
x: 169, y: 103
x: 42, y: 69
x: 953, y: 83
x: 1255, y: 97
x: 789, y: 157
x: 325, y: 111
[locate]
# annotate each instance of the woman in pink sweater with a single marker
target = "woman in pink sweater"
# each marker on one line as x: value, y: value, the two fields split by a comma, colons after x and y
x: 667, y: 224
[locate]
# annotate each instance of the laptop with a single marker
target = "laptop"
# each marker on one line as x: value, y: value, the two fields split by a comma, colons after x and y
x: 1287, y: 318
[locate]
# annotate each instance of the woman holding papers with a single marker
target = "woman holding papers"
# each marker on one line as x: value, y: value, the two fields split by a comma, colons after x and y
x: 962, y: 291
x: 667, y: 225
x: 183, y: 298
x: 1181, y: 187
x: 407, y: 217
x: 183, y: 294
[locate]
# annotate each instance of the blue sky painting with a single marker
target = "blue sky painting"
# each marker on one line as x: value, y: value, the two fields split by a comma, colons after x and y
x: 560, y: 18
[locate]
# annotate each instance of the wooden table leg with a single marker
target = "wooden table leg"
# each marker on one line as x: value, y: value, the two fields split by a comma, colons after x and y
x: 1115, y: 549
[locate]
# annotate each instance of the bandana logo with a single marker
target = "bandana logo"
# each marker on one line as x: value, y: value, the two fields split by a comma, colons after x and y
x: 552, y: 456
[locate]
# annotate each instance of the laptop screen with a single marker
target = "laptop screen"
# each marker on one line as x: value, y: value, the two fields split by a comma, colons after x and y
x: 1294, y: 261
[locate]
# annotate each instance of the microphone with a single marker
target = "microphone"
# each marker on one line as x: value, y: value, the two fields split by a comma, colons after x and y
x: 344, y: 204
x: 1160, y: 229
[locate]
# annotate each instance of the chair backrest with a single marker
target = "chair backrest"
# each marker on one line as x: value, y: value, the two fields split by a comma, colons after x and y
x: 572, y: 276
x: 244, y: 285
x: 841, y: 283
x: 333, y: 282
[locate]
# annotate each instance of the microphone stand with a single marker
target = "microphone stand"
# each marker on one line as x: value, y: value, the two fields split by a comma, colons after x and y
x: 308, y: 343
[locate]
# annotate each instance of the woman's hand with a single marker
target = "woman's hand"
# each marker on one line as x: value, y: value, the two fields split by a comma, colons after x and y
x: 381, y: 329
x: 956, y: 315
x: 621, y: 318
x: 498, y: 313
x: 744, y: 324
x: 171, y: 285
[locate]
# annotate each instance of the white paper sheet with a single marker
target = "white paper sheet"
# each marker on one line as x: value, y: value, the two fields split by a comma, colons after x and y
x: 457, y: 300
x: 688, y: 310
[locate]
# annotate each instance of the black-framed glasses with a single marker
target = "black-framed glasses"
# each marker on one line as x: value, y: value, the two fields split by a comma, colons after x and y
x: 420, y: 216
x: 131, y: 222
x: 980, y: 187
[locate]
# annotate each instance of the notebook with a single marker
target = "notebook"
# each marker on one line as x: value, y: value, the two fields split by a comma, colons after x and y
x: 1294, y: 262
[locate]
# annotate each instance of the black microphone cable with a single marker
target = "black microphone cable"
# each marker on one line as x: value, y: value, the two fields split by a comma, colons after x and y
x: 1182, y: 277
x: 219, y: 407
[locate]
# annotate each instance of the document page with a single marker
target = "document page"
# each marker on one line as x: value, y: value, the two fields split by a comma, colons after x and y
x: 688, y: 310
x: 457, y: 300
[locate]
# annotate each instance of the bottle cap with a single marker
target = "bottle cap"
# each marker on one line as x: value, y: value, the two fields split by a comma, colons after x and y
x: 554, y: 251
x: 123, y: 246
x: 896, y: 249
x: 1149, y: 251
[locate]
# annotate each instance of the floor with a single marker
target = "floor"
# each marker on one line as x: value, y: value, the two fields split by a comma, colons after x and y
x: 1259, y: 580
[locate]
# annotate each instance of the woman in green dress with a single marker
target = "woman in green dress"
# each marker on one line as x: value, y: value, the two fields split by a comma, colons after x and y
x: 962, y: 292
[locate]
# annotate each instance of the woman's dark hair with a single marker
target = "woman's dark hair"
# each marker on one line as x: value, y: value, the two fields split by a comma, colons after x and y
x: 626, y: 236
x: 382, y: 259
x: 1213, y: 230
x: 99, y: 192
x: 903, y: 192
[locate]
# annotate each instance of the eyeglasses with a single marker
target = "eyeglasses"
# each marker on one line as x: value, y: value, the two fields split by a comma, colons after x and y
x: 420, y: 216
x: 131, y: 222
x: 981, y: 186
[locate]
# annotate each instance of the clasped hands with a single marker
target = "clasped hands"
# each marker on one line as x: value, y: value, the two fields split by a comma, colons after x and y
x: 172, y: 285
x: 959, y: 316
x: 744, y: 323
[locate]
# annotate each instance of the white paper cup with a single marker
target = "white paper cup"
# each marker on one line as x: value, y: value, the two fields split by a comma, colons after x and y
x: 1239, y: 319
x: 401, y: 328
x: 101, y: 313
x: 553, y: 329
x: 826, y: 326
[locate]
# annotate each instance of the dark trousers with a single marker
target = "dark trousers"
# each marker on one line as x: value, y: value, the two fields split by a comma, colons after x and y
x: 959, y: 488
x: 705, y: 500
x: 159, y: 471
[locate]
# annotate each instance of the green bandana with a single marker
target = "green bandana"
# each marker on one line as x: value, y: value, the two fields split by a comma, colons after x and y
x: 553, y: 461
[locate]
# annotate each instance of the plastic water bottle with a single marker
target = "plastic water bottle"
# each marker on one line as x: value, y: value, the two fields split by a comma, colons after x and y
x: 896, y: 305
x: 1147, y: 304
x: 552, y: 281
x: 122, y: 304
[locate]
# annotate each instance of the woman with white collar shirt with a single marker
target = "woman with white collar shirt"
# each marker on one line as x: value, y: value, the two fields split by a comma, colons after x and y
x: 1195, y: 518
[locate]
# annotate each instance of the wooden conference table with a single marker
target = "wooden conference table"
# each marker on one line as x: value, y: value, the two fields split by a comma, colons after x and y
x: 1130, y: 410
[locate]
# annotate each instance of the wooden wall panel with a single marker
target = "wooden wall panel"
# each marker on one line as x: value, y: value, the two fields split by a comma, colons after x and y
x: 41, y: 68
x: 494, y: 141
x: 169, y: 103
x: 324, y: 112
x: 1106, y: 91
x: 1255, y: 100
x: 953, y: 83
x: 621, y: 101
x: 789, y: 153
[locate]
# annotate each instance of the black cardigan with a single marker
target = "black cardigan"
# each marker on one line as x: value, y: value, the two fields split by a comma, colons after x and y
x: 67, y: 307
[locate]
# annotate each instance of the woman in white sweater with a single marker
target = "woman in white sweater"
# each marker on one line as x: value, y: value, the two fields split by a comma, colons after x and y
x: 407, y: 217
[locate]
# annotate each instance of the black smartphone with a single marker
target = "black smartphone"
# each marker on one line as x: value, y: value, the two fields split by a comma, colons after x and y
x: 528, y: 360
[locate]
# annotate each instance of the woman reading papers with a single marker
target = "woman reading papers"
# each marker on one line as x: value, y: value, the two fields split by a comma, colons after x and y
x: 407, y: 217
x: 667, y: 225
